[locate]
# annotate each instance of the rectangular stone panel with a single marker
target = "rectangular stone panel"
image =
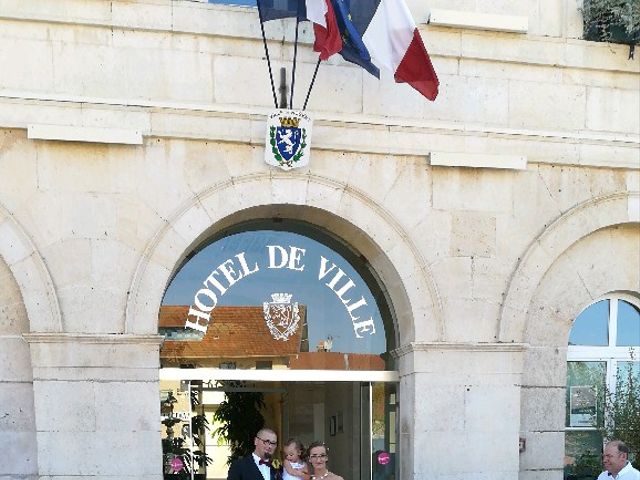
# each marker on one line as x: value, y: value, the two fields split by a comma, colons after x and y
x: 16, y: 407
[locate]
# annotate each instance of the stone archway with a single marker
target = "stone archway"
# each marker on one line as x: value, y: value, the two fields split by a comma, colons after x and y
x: 31, y: 274
x: 27, y: 303
x: 580, y: 221
x: 584, y: 271
x: 350, y: 213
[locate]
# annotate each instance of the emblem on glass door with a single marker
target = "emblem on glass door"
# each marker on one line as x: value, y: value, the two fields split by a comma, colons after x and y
x: 281, y: 315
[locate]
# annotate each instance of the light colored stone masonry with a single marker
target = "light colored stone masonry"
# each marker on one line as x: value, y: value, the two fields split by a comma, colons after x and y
x: 485, y: 267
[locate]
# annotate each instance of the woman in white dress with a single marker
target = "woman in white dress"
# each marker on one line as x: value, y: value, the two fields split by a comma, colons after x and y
x: 318, y: 457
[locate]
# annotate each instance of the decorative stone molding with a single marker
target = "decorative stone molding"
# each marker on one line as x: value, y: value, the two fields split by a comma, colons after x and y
x: 477, y: 160
x: 451, y: 346
x: 76, y: 338
x: 231, y: 123
x: 478, y: 21
x: 71, y: 133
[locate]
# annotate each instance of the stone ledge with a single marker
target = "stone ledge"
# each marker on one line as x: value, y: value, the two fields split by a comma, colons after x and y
x: 450, y: 346
x: 84, y: 134
x: 92, y: 338
x: 478, y: 21
x: 478, y: 160
x: 400, y: 136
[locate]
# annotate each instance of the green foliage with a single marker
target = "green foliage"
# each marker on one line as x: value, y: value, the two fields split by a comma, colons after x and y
x: 622, y: 420
x: 240, y: 418
x: 616, y: 21
x: 587, y: 467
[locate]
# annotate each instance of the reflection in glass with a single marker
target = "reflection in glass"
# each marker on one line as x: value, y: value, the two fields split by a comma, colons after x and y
x: 585, y: 393
x: 628, y: 325
x: 276, y: 297
x: 591, y: 327
x: 583, y: 450
x: 383, y: 431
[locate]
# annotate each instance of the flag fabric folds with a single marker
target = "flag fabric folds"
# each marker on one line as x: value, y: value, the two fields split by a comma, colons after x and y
x: 391, y: 38
x: 394, y: 41
x: 369, y: 33
x: 328, y: 37
x: 353, y: 48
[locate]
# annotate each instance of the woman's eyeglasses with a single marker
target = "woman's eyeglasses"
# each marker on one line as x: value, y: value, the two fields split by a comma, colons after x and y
x: 321, y: 455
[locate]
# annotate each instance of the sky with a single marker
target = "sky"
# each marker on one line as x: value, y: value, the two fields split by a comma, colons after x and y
x: 301, y: 266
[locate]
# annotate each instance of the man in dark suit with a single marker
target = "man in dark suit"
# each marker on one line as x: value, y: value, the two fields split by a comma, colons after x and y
x: 257, y: 466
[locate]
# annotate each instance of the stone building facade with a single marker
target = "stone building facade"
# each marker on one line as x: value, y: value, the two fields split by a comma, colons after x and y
x: 132, y: 130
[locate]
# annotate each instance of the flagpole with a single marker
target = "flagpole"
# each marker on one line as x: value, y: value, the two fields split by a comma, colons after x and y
x: 266, y: 51
x: 313, y: 79
x: 295, y: 56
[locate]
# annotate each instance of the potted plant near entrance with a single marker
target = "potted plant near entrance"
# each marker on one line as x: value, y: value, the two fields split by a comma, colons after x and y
x: 615, y: 21
x: 179, y: 457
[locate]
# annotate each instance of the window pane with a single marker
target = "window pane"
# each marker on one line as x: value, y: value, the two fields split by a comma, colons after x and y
x: 626, y: 371
x: 592, y: 326
x: 585, y: 390
x: 628, y: 325
x: 273, y: 296
x: 582, y: 455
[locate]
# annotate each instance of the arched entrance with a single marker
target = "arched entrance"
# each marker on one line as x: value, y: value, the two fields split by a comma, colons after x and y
x: 291, y: 321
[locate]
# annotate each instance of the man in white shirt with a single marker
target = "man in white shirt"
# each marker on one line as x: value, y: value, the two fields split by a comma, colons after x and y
x: 616, y: 462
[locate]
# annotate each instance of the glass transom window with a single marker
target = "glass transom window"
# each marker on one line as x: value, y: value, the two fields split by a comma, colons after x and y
x: 270, y: 297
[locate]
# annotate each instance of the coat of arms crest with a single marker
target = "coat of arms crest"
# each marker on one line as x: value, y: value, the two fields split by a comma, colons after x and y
x: 281, y: 316
x: 288, y: 139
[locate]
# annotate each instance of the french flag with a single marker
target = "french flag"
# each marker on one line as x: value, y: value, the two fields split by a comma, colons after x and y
x: 328, y: 39
x: 369, y: 33
x: 393, y: 41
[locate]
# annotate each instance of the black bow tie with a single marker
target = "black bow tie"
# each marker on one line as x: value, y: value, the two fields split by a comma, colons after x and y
x: 264, y: 462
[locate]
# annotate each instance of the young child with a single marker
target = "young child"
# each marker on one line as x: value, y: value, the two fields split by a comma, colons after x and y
x: 295, y: 468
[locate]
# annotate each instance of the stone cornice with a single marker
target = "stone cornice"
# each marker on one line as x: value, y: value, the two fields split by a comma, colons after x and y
x: 454, y: 346
x: 239, y: 124
x: 87, y: 338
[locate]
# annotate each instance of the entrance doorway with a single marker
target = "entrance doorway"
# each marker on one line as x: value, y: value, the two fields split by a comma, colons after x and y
x: 355, y: 418
x: 288, y: 321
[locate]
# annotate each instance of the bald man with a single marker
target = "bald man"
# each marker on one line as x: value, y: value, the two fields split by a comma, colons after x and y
x: 257, y: 466
x: 616, y: 462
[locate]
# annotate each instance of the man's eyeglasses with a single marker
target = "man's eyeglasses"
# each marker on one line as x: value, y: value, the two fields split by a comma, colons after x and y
x: 322, y: 455
x: 267, y: 442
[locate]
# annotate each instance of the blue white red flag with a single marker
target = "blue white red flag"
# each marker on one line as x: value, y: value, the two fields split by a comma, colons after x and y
x: 369, y: 33
x: 328, y: 39
x: 387, y: 36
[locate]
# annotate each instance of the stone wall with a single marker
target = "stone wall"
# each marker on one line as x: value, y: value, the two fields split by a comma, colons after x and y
x: 17, y: 422
x: 131, y: 131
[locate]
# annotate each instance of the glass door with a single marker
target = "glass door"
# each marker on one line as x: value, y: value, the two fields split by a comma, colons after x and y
x: 378, y: 423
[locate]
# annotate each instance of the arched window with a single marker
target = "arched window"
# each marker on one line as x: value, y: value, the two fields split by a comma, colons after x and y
x: 274, y: 297
x: 603, y: 350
